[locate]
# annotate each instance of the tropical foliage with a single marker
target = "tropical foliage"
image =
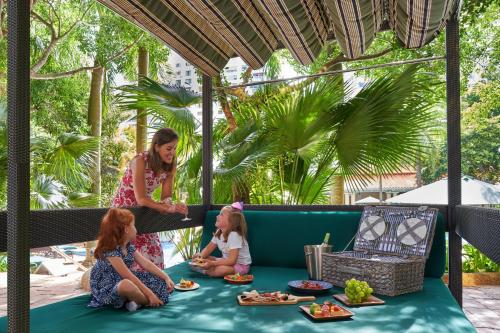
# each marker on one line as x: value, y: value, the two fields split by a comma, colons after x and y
x: 475, y: 261
x: 480, y: 140
x: 186, y: 241
x: 283, y: 144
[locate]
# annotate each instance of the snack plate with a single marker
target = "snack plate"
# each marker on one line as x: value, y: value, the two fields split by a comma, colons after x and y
x: 197, y: 262
x: 372, y: 300
x: 292, y: 299
x: 343, y: 314
x: 297, y: 286
x: 244, y: 281
x: 178, y: 287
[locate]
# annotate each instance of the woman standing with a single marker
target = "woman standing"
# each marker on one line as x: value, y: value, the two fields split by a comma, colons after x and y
x: 145, y: 173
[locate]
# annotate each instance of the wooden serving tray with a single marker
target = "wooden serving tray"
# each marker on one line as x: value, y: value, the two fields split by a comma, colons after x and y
x: 292, y: 299
x: 372, y: 300
x: 343, y: 314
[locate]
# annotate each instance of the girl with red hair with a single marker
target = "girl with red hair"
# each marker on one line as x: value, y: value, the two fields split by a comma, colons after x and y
x: 111, y: 280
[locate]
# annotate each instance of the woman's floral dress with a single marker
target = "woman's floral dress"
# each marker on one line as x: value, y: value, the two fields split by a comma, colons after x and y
x: 147, y: 244
x: 104, y: 280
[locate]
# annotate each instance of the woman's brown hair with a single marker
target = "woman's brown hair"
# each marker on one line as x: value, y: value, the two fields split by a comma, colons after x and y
x: 237, y: 223
x: 112, y: 230
x: 161, y: 137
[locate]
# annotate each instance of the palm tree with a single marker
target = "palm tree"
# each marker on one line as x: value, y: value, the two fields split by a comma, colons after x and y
x: 59, y: 168
x: 306, y: 137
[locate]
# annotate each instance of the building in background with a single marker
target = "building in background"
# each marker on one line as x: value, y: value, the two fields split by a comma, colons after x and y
x: 185, y: 75
x: 387, y: 186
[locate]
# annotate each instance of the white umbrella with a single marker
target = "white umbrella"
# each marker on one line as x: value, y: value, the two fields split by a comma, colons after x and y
x: 474, y: 192
x: 367, y: 200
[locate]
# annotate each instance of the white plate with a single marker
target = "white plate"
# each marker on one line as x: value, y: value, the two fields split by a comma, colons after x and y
x: 178, y: 287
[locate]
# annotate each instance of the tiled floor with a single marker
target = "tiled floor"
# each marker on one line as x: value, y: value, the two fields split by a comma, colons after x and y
x: 482, y: 307
x: 481, y: 304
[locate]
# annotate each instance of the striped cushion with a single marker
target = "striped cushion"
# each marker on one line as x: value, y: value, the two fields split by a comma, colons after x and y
x: 355, y: 24
x: 242, y: 26
x: 209, y: 32
x: 302, y: 26
x: 417, y: 22
x: 175, y: 23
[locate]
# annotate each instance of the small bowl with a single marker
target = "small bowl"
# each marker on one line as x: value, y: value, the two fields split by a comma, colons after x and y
x: 296, y: 286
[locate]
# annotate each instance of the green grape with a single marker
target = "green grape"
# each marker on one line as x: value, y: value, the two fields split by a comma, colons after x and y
x: 357, y: 291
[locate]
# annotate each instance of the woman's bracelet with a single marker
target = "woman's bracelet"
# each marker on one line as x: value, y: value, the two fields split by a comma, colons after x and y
x: 167, y: 200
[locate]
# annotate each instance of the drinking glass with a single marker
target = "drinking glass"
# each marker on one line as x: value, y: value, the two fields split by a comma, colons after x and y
x: 183, y: 196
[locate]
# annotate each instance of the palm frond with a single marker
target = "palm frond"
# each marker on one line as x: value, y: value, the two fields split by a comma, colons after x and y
x: 82, y: 200
x: 168, y: 95
x: 186, y: 241
x: 241, y: 150
x: 47, y: 193
x: 167, y: 105
x: 380, y: 130
x: 72, y: 158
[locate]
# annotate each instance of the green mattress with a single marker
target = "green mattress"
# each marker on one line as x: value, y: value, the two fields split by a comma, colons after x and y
x: 213, y: 308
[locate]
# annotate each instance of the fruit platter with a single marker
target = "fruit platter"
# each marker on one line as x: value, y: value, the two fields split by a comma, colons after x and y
x: 185, y: 285
x: 326, y: 311
x: 271, y: 298
x: 310, y: 287
x: 239, y: 278
x: 358, y: 293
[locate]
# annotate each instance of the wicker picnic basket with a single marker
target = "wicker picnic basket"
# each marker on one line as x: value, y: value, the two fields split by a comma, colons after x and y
x: 390, y: 250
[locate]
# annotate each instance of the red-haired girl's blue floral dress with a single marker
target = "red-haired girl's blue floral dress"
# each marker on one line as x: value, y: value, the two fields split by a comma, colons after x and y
x: 104, y: 280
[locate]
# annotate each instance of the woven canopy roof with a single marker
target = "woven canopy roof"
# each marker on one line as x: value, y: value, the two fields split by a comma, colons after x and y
x: 209, y: 32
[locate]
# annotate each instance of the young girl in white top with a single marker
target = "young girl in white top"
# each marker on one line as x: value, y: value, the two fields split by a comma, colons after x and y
x: 231, y: 239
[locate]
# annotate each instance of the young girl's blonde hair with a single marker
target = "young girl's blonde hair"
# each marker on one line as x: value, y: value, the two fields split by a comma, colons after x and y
x: 112, y: 230
x: 236, y: 223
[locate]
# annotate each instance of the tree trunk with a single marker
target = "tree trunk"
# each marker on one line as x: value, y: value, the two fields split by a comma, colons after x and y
x: 380, y: 189
x: 241, y: 192
x: 337, y: 196
x: 142, y: 119
x: 418, y: 170
x: 226, y: 108
x: 95, y: 120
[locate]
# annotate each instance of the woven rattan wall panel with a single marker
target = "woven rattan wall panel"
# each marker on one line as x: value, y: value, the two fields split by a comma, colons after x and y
x: 480, y: 227
x: 323, y: 208
x: 54, y: 227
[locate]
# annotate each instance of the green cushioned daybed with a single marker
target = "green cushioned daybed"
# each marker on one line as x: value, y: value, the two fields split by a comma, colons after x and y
x: 276, y: 242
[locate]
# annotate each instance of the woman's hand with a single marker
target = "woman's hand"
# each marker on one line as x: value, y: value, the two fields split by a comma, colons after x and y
x: 197, y: 255
x: 170, y: 284
x: 181, y: 208
x: 166, y: 208
x: 154, y: 301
